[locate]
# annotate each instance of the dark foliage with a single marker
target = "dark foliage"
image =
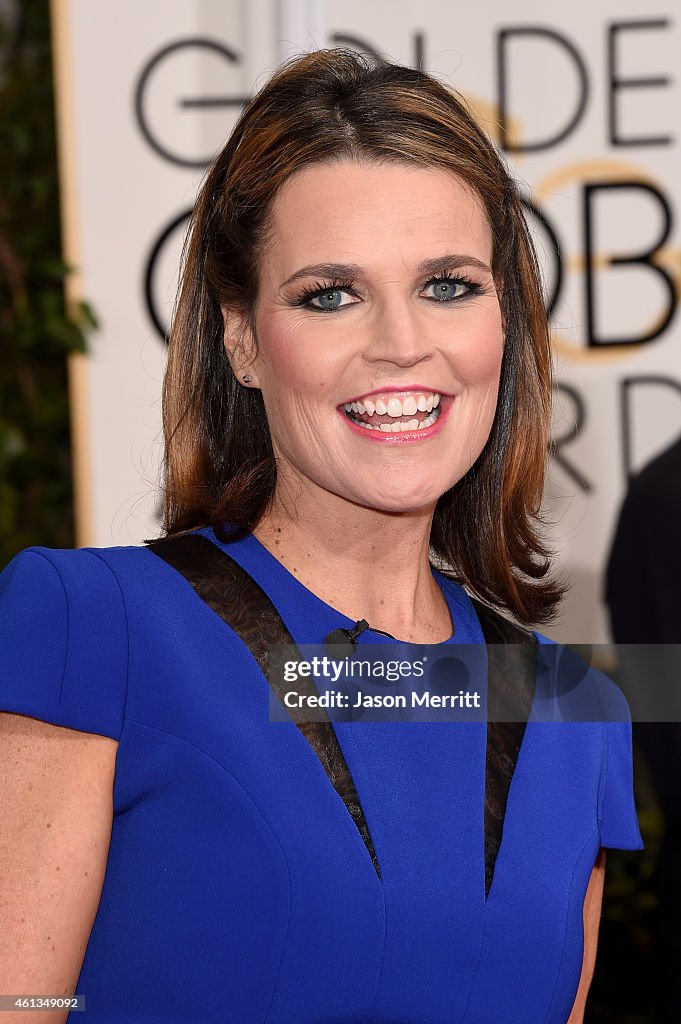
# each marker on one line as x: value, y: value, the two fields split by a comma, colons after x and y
x: 36, y: 330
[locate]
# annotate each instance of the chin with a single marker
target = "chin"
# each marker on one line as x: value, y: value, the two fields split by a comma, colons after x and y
x: 399, y: 504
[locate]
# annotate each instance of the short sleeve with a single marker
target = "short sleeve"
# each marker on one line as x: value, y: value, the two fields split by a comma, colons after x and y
x: 618, y: 820
x: 593, y: 697
x: 63, y: 640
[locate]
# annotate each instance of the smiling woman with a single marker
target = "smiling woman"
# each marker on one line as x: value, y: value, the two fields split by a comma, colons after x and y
x: 387, y: 163
x: 356, y: 414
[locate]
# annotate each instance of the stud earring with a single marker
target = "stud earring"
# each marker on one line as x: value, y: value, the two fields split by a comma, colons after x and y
x: 247, y: 377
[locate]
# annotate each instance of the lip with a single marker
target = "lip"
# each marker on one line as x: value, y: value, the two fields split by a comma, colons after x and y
x: 404, y: 436
x: 397, y: 390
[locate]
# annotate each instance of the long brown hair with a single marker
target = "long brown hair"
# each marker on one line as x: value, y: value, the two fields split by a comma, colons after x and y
x: 219, y: 464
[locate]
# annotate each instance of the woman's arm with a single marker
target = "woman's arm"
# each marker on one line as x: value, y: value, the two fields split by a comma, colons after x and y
x: 592, y: 917
x: 55, y: 826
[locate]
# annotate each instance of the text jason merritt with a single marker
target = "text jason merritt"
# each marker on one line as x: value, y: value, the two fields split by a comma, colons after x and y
x: 338, y: 699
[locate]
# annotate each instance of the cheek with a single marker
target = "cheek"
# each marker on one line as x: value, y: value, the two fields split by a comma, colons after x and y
x: 296, y: 355
x: 482, y: 351
x: 279, y: 356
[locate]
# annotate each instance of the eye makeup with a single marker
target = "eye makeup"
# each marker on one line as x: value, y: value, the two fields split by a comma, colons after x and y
x: 336, y: 284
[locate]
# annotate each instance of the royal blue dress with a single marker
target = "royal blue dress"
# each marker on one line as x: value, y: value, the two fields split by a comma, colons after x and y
x: 238, y: 887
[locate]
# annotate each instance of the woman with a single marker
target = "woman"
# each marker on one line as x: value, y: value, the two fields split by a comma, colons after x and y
x: 358, y: 380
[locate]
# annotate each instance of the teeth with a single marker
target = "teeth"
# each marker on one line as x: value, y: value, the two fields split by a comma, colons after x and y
x: 395, y: 407
x: 396, y: 428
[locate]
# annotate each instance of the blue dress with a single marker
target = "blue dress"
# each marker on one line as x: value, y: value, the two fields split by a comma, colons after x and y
x: 238, y: 887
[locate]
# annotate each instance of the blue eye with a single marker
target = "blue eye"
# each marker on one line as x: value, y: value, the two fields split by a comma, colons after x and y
x: 327, y: 294
x: 327, y: 299
x: 449, y: 289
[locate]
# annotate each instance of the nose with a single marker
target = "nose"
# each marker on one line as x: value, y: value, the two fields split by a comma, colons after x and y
x: 397, y: 334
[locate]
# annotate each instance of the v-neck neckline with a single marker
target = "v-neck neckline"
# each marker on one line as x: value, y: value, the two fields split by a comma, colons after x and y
x: 274, y: 582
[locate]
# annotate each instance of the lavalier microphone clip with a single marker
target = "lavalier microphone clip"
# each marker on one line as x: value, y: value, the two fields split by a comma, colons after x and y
x: 346, y: 639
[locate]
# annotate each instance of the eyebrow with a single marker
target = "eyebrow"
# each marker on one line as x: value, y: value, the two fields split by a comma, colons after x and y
x: 430, y: 266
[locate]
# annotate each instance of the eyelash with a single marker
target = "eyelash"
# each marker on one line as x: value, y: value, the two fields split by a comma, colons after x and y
x: 337, y: 284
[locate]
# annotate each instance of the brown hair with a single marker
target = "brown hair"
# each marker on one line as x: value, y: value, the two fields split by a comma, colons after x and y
x: 219, y: 466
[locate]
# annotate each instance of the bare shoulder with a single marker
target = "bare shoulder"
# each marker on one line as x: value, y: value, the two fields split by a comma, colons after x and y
x: 56, y: 795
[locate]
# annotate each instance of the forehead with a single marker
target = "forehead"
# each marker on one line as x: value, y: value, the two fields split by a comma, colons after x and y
x: 382, y: 214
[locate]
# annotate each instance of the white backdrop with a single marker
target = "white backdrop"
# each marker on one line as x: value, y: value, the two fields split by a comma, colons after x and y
x: 581, y: 98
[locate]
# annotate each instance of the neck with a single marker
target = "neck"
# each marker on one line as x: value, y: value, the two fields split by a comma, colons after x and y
x: 365, y: 563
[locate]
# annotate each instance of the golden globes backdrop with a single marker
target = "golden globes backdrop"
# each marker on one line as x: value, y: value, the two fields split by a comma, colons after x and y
x: 582, y: 100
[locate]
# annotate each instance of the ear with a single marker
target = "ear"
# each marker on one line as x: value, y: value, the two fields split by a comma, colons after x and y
x: 239, y: 346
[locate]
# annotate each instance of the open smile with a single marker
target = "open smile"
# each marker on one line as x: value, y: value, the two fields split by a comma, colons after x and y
x: 401, y: 417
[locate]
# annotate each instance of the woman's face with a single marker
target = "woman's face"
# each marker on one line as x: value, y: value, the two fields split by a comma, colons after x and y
x: 408, y: 312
